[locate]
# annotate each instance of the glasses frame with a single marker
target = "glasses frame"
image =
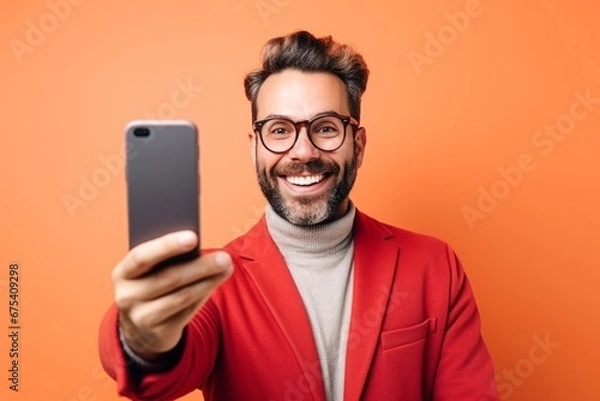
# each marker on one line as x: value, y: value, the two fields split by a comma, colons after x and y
x: 346, y: 121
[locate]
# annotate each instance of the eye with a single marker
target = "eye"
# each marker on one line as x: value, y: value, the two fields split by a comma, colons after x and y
x: 278, y: 128
x: 327, y: 129
x: 326, y: 126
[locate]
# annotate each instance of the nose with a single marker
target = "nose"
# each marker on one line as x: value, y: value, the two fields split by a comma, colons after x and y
x: 303, y: 150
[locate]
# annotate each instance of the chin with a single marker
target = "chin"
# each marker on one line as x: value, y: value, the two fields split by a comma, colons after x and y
x: 306, y: 215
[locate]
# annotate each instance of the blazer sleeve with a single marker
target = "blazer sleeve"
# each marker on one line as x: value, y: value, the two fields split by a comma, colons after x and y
x: 465, y: 371
x: 200, y: 348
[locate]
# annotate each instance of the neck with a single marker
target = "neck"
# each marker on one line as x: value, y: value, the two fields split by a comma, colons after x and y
x: 323, y: 238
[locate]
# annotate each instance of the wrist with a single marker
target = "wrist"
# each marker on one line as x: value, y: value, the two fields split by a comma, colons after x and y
x: 149, y: 361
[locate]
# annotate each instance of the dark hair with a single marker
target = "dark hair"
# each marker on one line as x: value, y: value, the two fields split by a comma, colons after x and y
x: 303, y: 51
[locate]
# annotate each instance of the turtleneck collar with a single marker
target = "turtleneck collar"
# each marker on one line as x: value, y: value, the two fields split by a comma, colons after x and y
x: 320, y: 240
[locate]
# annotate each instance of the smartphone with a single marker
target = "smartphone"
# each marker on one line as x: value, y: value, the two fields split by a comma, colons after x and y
x: 163, y: 181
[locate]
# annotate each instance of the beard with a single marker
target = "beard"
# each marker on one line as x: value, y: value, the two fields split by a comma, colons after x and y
x: 306, y: 210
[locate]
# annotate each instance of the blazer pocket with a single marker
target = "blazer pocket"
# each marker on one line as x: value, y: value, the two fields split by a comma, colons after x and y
x: 407, y: 335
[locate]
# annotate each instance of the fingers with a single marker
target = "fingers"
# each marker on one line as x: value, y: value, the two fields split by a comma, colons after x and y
x: 155, y: 305
x: 178, y: 307
x: 143, y: 257
x: 163, y: 282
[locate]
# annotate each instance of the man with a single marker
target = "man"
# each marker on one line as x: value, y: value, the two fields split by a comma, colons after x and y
x: 318, y: 301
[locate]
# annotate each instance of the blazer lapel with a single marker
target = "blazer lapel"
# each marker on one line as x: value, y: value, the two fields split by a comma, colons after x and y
x: 375, y: 261
x: 267, y: 267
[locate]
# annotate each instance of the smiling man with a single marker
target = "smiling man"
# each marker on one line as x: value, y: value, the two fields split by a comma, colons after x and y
x: 306, y: 178
x: 318, y: 301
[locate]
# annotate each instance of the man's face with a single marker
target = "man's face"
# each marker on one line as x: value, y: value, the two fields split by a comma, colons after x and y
x: 322, y: 194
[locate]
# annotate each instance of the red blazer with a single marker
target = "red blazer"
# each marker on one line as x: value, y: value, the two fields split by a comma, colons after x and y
x: 414, y: 332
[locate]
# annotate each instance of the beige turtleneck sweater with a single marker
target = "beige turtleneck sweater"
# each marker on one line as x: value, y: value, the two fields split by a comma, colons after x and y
x: 320, y: 259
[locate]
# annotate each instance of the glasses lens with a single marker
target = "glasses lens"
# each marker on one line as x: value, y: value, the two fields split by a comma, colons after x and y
x: 327, y: 132
x: 278, y: 134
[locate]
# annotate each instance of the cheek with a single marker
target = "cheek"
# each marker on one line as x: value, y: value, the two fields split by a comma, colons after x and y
x: 346, y: 158
x: 266, y: 160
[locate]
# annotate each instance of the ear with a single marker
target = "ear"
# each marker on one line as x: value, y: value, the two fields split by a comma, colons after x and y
x: 360, y: 143
x: 252, y: 146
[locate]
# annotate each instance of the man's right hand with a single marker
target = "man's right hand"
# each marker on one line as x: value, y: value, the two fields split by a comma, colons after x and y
x: 155, y: 306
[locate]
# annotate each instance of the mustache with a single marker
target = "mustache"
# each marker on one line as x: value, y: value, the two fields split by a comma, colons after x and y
x: 313, y: 167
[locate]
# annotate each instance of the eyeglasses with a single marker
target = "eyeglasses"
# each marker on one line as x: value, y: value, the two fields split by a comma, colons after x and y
x: 326, y: 132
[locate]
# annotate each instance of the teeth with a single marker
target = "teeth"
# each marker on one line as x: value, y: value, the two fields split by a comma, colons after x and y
x: 309, y: 180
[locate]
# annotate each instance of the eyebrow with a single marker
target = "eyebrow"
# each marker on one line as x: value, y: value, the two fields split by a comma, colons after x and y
x: 316, y: 115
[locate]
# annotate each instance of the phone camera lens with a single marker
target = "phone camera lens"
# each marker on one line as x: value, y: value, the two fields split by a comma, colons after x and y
x: 141, y: 131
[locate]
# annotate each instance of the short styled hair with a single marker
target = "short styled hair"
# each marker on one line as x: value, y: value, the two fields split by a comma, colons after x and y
x: 303, y: 51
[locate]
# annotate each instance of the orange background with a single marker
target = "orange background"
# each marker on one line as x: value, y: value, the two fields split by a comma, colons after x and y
x: 436, y: 134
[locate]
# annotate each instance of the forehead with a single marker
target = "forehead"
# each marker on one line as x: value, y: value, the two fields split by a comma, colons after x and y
x: 301, y: 95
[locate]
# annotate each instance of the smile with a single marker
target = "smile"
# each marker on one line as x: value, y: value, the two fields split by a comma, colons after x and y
x: 305, y: 180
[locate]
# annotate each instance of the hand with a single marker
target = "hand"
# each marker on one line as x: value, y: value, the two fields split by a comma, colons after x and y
x: 156, y: 305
